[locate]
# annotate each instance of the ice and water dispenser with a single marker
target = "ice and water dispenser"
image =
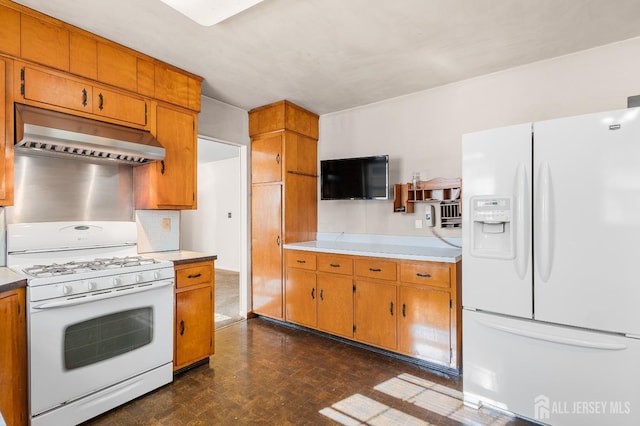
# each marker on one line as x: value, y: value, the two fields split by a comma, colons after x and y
x: 493, y: 231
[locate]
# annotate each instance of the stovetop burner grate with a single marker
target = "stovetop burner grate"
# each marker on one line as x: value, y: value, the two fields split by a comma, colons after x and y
x: 76, y: 267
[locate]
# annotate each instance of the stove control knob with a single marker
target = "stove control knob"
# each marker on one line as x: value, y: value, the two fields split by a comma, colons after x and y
x: 67, y: 289
x: 139, y: 278
x: 92, y: 285
x: 117, y: 282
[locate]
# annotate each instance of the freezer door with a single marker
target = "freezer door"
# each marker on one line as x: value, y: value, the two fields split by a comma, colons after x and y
x: 496, y: 214
x: 552, y: 374
x: 587, y: 221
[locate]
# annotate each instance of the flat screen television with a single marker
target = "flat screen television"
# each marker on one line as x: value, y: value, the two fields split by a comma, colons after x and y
x: 363, y: 178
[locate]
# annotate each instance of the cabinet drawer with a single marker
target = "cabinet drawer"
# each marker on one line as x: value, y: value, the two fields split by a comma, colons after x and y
x: 380, y: 269
x: 301, y: 260
x: 192, y: 276
x: 335, y: 264
x: 426, y: 273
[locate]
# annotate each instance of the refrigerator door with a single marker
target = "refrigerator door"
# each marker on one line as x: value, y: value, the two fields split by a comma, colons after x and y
x: 496, y: 215
x: 587, y: 221
x: 553, y: 374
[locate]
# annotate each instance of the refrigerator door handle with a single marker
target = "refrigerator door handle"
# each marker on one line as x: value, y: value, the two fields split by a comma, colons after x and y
x: 544, y: 222
x: 547, y: 337
x: 522, y: 224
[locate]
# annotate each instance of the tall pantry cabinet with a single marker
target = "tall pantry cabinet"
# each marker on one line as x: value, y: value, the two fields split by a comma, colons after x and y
x: 284, y: 195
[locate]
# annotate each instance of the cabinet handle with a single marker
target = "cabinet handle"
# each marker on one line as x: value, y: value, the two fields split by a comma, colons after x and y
x: 423, y: 275
x: 375, y: 269
x: 301, y: 261
x: 334, y: 265
x: 278, y: 158
x: 404, y: 310
x: 161, y: 167
x: 84, y: 97
x: 321, y: 294
x: 391, y: 308
x: 194, y: 275
x: 313, y: 293
x: 181, y: 328
x: 101, y: 103
x: 278, y: 240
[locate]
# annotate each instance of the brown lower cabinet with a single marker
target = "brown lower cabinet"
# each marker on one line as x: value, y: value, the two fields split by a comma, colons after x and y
x: 409, y: 307
x: 194, y: 324
x: 13, y: 357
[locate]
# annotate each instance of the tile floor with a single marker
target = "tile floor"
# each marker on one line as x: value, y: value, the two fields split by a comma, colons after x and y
x: 264, y: 373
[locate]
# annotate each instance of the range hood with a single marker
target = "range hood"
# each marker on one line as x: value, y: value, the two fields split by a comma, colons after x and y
x: 50, y: 132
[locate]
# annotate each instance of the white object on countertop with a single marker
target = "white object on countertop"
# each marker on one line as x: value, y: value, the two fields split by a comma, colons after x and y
x: 158, y: 230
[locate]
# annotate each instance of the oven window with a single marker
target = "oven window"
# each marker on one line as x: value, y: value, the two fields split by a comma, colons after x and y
x: 105, y: 337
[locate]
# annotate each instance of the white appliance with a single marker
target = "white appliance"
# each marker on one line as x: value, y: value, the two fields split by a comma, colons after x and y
x: 551, y: 224
x: 100, y: 318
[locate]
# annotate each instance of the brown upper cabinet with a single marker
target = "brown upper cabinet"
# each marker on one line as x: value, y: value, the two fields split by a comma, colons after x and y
x: 9, y: 31
x: 34, y: 37
x: 283, y: 115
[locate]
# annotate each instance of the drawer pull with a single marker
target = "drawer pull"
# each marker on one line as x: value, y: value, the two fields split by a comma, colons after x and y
x: 334, y: 265
x: 181, y: 328
x: 404, y: 310
x: 84, y: 97
x: 375, y: 269
x: 321, y: 294
x: 423, y: 275
x: 192, y: 276
x: 313, y: 293
x: 101, y: 103
x: 301, y: 261
x: 391, y: 308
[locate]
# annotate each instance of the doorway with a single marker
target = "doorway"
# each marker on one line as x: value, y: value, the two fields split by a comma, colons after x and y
x: 219, y: 224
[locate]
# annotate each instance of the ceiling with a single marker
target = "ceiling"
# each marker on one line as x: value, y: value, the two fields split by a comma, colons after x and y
x: 330, y: 55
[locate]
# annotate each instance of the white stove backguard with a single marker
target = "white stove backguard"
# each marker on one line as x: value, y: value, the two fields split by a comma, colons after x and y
x: 48, y: 242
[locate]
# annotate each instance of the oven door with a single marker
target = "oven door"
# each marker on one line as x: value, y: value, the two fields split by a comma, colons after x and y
x: 77, y: 347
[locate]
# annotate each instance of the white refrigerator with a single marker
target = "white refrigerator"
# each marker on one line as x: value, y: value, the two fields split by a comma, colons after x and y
x: 551, y: 269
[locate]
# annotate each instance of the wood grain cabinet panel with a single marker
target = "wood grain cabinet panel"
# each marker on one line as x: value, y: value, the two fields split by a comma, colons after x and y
x: 117, y: 67
x: 6, y: 133
x: 171, y: 86
x: 424, y: 328
x: 83, y: 55
x: 194, y: 311
x: 335, y: 264
x: 56, y: 90
x: 335, y: 304
x: 13, y: 357
x: 108, y: 103
x: 425, y: 273
x: 44, y: 43
x: 378, y: 269
x: 266, y: 250
x: 375, y: 313
x: 301, y: 297
x: 301, y: 260
x: 146, y: 79
x: 266, y: 159
x: 9, y: 31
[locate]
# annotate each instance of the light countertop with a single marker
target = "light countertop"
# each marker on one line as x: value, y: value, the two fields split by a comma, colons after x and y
x: 10, y: 280
x: 411, y: 248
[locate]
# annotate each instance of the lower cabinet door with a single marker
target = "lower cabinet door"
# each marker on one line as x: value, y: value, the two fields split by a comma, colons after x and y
x: 301, y: 297
x: 375, y: 313
x: 425, y: 324
x: 335, y: 304
x: 193, y: 332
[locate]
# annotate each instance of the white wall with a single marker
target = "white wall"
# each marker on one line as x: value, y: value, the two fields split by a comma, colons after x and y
x: 422, y: 131
x: 209, y: 229
x: 224, y: 122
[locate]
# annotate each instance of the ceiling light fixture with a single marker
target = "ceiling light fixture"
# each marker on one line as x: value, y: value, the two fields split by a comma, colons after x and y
x: 210, y: 12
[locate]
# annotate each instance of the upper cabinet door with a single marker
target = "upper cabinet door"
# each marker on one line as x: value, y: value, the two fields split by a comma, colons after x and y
x: 121, y: 107
x: 117, y: 67
x: 9, y: 31
x: 45, y: 43
x: 56, y: 90
x: 83, y: 56
x: 177, y: 172
x: 266, y: 159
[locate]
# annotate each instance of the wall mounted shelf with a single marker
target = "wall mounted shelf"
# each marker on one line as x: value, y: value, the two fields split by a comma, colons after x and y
x: 434, y: 190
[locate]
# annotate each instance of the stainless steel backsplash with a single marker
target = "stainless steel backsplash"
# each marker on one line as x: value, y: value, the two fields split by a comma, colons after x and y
x: 60, y: 189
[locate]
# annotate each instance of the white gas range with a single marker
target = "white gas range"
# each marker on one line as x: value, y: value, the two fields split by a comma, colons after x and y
x: 100, y: 317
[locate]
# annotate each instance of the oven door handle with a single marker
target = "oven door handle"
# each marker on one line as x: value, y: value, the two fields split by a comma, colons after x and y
x: 101, y: 296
